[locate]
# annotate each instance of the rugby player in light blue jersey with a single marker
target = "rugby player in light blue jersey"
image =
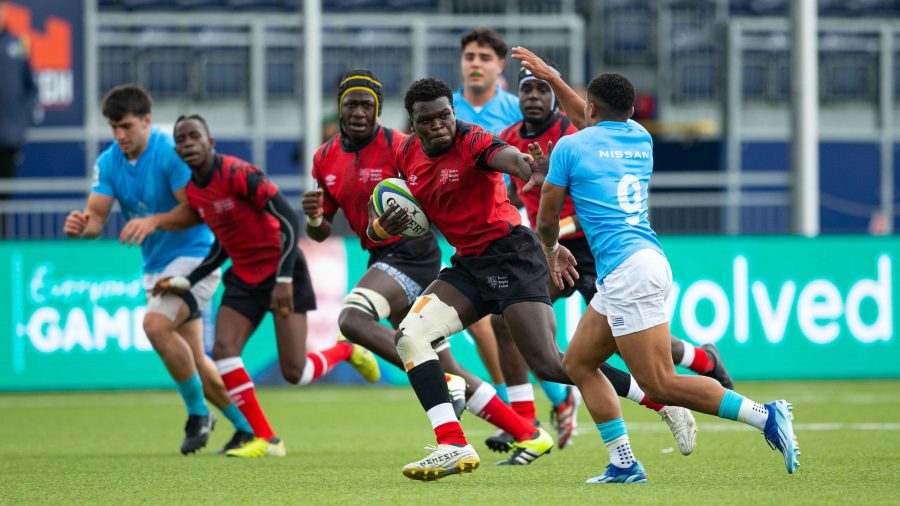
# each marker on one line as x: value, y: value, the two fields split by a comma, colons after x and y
x: 606, y: 169
x: 142, y: 171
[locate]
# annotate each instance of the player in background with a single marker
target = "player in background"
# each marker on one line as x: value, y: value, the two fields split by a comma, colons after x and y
x: 627, y: 315
x: 347, y: 168
x: 482, y: 101
x: 543, y: 125
x: 256, y: 227
x: 142, y: 172
x: 704, y: 360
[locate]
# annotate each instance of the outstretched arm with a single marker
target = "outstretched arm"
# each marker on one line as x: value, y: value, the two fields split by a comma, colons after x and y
x: 531, y: 167
x: 570, y: 101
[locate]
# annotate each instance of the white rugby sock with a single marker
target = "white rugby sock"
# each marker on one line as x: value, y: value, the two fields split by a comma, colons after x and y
x: 688, y: 358
x: 620, y: 454
x: 753, y: 414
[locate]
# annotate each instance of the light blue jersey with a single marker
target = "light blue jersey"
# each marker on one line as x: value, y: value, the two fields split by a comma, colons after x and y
x: 607, y: 170
x: 146, y: 187
x: 497, y: 114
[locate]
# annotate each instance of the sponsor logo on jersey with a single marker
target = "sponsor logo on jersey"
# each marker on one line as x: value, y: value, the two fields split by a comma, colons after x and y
x: 617, y: 153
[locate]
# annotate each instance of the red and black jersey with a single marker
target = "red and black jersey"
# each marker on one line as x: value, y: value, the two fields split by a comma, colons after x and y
x: 458, y: 191
x: 347, y: 175
x: 515, y: 135
x: 231, y: 200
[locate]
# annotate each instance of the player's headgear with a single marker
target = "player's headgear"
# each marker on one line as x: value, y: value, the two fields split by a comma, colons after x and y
x: 361, y: 79
x: 525, y: 75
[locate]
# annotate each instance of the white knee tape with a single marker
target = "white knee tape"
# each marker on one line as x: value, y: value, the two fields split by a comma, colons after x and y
x: 429, y: 322
x: 368, y: 301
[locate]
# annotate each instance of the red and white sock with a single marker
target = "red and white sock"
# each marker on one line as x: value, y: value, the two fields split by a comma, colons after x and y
x: 637, y: 395
x: 240, y: 389
x: 487, y: 405
x: 696, y: 359
x: 446, y: 427
x: 521, y: 398
x: 318, y: 363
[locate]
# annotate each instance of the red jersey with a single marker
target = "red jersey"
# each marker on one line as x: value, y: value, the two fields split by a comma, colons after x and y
x: 458, y: 191
x: 348, y: 174
x: 231, y: 200
x: 515, y: 135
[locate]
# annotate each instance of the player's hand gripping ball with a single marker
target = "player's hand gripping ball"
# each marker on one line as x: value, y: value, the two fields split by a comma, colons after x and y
x: 394, y: 191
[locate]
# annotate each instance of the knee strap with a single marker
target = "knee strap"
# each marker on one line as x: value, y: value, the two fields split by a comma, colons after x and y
x: 369, y: 302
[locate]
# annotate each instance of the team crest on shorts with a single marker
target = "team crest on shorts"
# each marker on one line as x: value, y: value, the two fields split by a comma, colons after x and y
x: 498, y: 281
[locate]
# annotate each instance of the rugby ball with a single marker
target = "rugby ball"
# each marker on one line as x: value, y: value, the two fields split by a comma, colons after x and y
x: 394, y: 190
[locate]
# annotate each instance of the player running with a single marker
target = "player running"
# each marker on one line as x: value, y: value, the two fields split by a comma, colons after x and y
x: 627, y: 314
x: 142, y: 172
x: 347, y: 168
x: 544, y: 125
x: 454, y: 170
x: 256, y: 227
x: 704, y: 360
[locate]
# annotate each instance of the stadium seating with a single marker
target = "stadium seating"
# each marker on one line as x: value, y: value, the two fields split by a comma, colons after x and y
x: 202, y: 4
x: 224, y: 73
x: 281, y: 72
x: 257, y: 4
x: 149, y: 4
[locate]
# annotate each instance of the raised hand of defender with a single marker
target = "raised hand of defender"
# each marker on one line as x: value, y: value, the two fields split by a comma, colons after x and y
x: 137, y: 229
x: 540, y: 164
x: 562, y: 267
x: 174, y: 285
x: 283, y: 299
x: 534, y: 63
x: 76, y: 224
x: 313, y: 202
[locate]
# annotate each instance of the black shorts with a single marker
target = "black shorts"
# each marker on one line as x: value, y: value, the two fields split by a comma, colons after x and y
x: 512, y: 269
x: 413, y: 262
x: 254, y: 301
x: 586, y: 284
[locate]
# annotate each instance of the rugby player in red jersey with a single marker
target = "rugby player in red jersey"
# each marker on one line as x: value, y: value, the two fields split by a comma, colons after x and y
x: 256, y: 227
x: 543, y: 125
x: 454, y: 169
x: 347, y: 168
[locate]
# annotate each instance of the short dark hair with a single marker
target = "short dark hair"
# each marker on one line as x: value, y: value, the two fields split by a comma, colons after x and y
x: 426, y: 90
x: 613, y: 93
x: 485, y: 37
x: 126, y: 99
x: 192, y: 116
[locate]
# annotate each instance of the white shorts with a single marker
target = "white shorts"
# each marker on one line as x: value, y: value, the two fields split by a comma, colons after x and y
x: 632, y: 297
x: 168, y: 305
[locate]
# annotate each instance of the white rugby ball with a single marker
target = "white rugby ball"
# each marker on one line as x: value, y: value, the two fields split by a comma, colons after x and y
x: 394, y: 190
